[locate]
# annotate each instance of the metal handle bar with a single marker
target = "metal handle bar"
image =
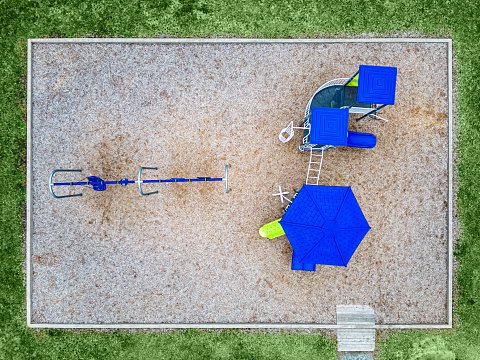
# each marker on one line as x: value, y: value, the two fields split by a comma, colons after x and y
x: 50, y: 184
x: 226, y: 178
x: 140, y: 181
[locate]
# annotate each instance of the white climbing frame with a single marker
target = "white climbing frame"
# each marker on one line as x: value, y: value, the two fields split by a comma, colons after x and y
x: 315, y: 171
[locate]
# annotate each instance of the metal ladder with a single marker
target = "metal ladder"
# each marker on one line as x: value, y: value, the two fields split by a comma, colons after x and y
x: 312, y: 169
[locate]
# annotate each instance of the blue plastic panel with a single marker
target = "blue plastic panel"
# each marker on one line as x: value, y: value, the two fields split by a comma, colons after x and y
x: 376, y: 84
x: 327, y: 199
x: 351, y: 239
x: 350, y: 216
x: 329, y: 126
x: 296, y: 265
x: 300, y: 212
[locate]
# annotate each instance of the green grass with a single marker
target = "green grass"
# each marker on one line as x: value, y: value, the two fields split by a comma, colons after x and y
x: 302, y: 18
x: 190, y: 344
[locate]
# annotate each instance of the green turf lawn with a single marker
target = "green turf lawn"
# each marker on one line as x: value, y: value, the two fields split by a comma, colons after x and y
x: 21, y: 20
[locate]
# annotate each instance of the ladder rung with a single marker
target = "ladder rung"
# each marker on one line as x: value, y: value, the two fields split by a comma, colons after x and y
x: 315, y: 162
x: 314, y: 170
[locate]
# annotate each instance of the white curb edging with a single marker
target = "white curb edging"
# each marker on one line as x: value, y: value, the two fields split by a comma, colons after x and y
x: 232, y: 40
x: 29, y: 183
x: 29, y: 223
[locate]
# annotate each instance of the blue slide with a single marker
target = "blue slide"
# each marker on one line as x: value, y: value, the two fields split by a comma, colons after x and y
x: 361, y: 140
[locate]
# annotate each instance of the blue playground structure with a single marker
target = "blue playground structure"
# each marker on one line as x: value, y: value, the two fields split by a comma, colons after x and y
x: 324, y: 225
x: 370, y: 89
x: 325, y: 124
x: 98, y: 184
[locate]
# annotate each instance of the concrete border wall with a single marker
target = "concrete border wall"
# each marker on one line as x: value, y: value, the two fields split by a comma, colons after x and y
x: 237, y: 325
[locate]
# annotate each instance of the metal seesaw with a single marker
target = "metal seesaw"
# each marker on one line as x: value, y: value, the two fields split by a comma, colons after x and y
x: 100, y: 185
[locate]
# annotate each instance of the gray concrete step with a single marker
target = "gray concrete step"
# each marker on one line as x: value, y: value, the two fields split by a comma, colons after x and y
x: 355, y: 314
x: 355, y: 339
x: 355, y: 356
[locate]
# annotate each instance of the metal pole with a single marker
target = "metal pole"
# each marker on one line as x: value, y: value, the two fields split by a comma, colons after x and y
x: 226, y: 178
x: 374, y: 110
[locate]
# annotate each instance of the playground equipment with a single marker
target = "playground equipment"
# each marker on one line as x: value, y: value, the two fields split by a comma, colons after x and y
x: 361, y: 140
x: 370, y: 89
x: 313, y: 173
x: 101, y: 185
x: 289, y: 131
x: 271, y: 230
x: 325, y: 124
x: 324, y: 225
x: 330, y: 126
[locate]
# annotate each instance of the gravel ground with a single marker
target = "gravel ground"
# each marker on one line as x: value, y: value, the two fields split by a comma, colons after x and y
x: 192, y: 253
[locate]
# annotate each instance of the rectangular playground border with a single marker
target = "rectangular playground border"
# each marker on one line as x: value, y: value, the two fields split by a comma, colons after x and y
x: 236, y: 325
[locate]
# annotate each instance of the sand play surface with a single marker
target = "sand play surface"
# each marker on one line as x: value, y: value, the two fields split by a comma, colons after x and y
x: 192, y: 253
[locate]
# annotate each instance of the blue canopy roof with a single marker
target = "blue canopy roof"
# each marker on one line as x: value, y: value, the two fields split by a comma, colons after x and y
x: 329, y: 126
x: 325, y: 225
x: 376, y: 84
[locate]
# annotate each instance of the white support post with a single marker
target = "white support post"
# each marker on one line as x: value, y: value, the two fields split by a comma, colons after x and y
x: 378, y: 117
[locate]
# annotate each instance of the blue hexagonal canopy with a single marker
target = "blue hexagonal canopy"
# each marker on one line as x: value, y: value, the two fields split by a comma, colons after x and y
x: 325, y: 225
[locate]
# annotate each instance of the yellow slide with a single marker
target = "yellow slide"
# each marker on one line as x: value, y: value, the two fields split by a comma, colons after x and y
x: 271, y: 230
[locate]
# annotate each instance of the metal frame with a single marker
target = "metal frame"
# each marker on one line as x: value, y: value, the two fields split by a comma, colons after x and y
x: 289, y: 130
x: 125, y: 181
x: 282, y: 194
x: 344, y: 82
x: 140, y: 181
x: 372, y: 112
x: 226, y: 178
x: 50, y: 184
x: 334, y: 82
x: 310, y: 168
